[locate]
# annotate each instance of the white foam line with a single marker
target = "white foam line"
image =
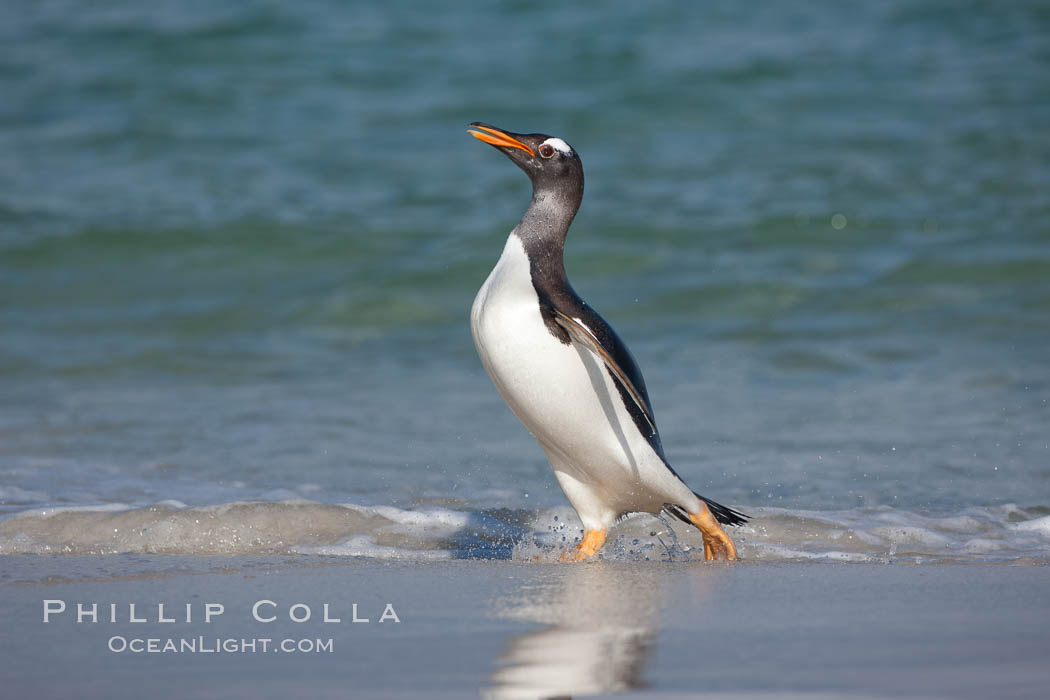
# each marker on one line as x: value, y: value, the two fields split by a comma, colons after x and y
x: 363, y: 546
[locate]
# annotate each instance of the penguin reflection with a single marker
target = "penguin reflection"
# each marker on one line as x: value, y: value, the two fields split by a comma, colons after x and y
x: 600, y: 632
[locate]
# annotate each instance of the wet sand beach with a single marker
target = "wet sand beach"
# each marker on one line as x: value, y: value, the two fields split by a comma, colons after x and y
x: 513, y: 630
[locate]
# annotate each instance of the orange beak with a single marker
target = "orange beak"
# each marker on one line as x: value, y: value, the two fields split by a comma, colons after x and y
x: 498, y: 138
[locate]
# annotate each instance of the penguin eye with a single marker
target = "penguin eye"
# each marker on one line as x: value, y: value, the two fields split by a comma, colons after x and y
x: 546, y: 150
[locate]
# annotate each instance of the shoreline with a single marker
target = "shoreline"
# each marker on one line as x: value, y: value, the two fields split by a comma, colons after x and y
x: 989, y: 534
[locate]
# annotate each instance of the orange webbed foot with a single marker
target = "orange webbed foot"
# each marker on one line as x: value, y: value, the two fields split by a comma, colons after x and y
x: 717, y: 544
x: 590, y: 544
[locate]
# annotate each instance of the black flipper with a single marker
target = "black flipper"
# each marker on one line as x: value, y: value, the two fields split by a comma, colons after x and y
x: 586, y: 337
x: 595, y: 334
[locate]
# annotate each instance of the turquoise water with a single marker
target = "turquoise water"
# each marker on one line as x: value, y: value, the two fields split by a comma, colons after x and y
x: 239, y: 243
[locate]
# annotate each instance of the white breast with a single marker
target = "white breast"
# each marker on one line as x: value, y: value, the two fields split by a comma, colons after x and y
x: 567, y: 400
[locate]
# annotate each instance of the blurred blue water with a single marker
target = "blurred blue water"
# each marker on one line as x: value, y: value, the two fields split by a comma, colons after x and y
x: 239, y: 242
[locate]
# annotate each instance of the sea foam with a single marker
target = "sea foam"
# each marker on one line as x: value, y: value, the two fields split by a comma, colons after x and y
x: 999, y: 534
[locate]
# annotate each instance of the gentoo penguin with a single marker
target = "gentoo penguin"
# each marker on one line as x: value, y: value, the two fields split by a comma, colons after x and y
x: 565, y: 373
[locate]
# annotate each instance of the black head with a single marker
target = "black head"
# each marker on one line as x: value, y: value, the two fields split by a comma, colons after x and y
x: 551, y: 164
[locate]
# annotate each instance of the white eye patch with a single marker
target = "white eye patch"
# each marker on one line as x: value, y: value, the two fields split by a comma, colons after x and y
x: 557, y: 143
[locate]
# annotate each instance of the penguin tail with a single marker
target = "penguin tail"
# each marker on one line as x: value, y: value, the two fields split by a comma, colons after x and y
x: 724, y: 515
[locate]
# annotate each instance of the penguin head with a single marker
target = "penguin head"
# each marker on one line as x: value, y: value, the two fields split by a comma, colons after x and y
x: 549, y: 162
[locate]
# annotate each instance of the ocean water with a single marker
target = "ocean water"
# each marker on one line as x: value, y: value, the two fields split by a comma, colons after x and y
x: 239, y: 243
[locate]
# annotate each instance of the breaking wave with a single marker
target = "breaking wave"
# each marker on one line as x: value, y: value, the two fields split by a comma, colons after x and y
x: 999, y: 534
